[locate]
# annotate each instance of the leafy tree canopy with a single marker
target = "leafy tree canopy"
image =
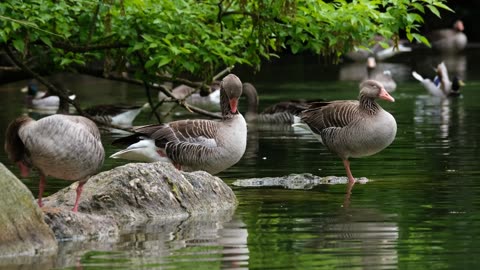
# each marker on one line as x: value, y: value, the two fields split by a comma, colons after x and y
x: 197, y: 37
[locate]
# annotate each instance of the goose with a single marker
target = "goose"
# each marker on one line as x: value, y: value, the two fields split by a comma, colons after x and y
x: 351, y: 128
x: 441, y: 86
x: 280, y: 113
x: 192, y: 145
x: 385, y: 76
x: 191, y: 97
x: 41, y: 100
x: 450, y: 40
x: 116, y: 114
x: 62, y: 146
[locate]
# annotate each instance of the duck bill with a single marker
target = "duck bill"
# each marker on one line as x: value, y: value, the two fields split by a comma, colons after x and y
x: 24, y: 169
x: 233, y: 105
x: 385, y: 95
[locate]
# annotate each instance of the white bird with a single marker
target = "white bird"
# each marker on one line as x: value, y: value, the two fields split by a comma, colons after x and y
x: 191, y: 145
x: 62, y: 146
x: 41, y: 100
x: 441, y: 86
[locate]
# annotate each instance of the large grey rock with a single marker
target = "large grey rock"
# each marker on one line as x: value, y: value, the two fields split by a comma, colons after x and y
x: 133, y: 194
x: 23, y: 231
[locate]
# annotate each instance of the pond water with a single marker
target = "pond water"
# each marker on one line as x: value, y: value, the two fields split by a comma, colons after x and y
x: 420, y: 208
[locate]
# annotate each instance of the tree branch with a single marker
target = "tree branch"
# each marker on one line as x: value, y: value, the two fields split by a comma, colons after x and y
x: 56, y: 90
x: 89, y: 48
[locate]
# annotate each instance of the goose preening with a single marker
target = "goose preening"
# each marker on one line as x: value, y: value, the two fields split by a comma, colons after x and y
x: 116, y: 114
x: 194, y: 98
x: 449, y: 40
x: 351, y: 128
x: 41, y: 100
x: 441, y: 86
x: 382, y: 76
x: 191, y: 145
x: 280, y: 113
x: 62, y: 146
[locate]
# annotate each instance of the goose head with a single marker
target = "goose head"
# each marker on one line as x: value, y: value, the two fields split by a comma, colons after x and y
x: 232, y: 87
x: 372, y: 89
x: 14, y: 147
x: 458, y: 26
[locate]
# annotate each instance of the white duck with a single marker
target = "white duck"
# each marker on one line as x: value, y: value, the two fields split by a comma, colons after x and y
x: 441, y: 86
x: 191, y: 145
x: 41, y: 100
x: 62, y: 146
x: 116, y: 114
x: 351, y: 128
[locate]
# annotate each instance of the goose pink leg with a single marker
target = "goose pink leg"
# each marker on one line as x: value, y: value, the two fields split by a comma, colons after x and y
x: 79, y: 192
x: 346, y: 164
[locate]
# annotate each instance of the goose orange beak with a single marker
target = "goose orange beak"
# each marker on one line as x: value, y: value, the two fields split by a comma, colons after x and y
x: 385, y: 95
x: 233, y: 105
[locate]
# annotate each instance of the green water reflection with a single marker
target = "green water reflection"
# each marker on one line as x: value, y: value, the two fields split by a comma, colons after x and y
x: 420, y: 209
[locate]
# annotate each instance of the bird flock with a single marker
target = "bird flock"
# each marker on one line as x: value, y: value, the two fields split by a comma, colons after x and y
x: 70, y: 147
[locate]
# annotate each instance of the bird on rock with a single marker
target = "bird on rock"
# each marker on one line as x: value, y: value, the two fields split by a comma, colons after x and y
x: 62, y: 146
x: 198, y: 144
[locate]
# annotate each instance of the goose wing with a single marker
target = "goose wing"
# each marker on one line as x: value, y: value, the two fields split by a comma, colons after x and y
x: 334, y: 114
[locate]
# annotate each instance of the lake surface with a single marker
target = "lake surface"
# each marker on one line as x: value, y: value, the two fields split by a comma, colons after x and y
x: 420, y: 208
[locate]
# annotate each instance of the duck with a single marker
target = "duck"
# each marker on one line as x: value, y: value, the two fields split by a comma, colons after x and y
x: 441, y: 86
x: 450, y: 40
x: 61, y: 146
x: 378, y: 51
x: 352, y: 128
x: 279, y: 113
x: 385, y: 76
x: 121, y: 115
x: 193, y: 98
x: 41, y: 100
x: 193, y: 144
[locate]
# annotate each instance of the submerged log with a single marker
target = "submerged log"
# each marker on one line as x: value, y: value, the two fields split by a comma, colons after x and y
x: 23, y: 231
x: 133, y: 194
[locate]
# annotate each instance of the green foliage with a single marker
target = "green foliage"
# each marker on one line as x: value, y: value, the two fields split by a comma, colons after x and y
x: 199, y: 37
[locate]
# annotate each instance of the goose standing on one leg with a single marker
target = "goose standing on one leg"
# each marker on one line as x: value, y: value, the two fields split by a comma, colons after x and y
x: 191, y: 145
x: 351, y: 128
x: 62, y: 146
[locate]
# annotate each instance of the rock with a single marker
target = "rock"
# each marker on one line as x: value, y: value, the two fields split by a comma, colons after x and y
x: 23, y: 231
x: 133, y: 194
x: 295, y: 181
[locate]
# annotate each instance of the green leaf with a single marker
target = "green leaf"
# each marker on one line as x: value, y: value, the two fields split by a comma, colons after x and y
x: 46, y: 40
x: 19, y: 45
x: 434, y: 10
x: 421, y: 39
x: 164, y: 61
x: 442, y: 5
